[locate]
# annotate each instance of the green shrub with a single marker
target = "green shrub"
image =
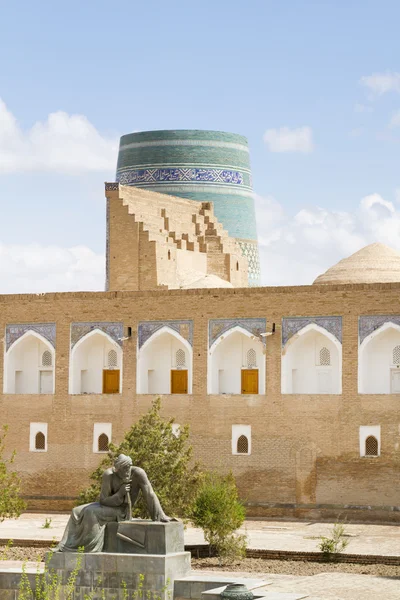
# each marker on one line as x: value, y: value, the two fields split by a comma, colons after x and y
x: 11, y: 505
x: 336, y: 543
x: 219, y: 513
x: 166, y: 458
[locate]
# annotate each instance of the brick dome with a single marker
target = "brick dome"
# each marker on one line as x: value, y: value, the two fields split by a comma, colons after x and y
x: 376, y: 263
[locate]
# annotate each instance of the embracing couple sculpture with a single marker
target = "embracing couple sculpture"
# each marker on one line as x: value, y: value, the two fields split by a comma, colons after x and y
x: 120, y: 489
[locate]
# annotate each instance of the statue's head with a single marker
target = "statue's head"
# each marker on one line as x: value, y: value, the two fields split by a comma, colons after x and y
x: 122, y: 466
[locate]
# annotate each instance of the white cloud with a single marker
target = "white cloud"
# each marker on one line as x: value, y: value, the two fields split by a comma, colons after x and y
x: 395, y: 120
x: 381, y: 83
x: 295, y: 249
x: 63, y: 143
x: 36, y: 269
x: 289, y: 140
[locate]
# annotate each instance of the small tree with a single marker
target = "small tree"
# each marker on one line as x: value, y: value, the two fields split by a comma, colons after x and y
x: 219, y: 513
x: 11, y: 505
x: 336, y: 543
x: 166, y: 458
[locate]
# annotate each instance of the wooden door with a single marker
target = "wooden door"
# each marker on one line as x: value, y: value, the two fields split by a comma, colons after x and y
x: 249, y: 381
x: 111, y: 381
x: 179, y: 381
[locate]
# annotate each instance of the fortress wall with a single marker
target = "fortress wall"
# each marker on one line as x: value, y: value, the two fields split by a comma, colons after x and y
x: 305, y: 448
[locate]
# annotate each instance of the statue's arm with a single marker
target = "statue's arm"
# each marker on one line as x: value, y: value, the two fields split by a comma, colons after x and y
x: 106, y: 496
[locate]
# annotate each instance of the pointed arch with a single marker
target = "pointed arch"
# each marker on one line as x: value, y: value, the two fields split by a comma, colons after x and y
x: 88, y: 367
x: 157, y: 358
x: 23, y: 365
x: 227, y: 360
x: 316, y: 328
x: 171, y: 331
x: 377, y: 366
x: 312, y: 362
x: 385, y: 327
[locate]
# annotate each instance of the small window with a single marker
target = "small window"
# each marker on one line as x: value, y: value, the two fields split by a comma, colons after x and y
x: 396, y: 355
x: 237, y: 266
x: 243, y: 445
x: 40, y: 441
x: 180, y: 358
x: 169, y: 254
x: 324, y: 357
x: 46, y: 359
x: 103, y: 443
x: 371, y: 446
x: 112, y: 359
x: 251, y: 358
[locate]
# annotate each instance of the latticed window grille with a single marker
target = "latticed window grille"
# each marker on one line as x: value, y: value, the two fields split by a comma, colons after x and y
x: 242, y: 446
x: 103, y: 443
x: 40, y: 441
x: 324, y: 357
x: 371, y: 446
x: 396, y: 355
x: 112, y: 359
x: 46, y: 359
x: 180, y: 358
x: 251, y: 358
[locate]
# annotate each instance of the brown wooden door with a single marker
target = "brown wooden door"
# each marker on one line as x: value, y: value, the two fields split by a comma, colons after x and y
x: 249, y: 381
x: 179, y: 381
x: 111, y: 381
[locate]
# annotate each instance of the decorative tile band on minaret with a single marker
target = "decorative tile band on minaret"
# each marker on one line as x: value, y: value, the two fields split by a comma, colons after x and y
x: 207, y: 166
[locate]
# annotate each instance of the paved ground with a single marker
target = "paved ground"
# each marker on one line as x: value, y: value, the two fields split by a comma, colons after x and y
x: 271, y: 535
x: 282, y: 535
x: 326, y: 586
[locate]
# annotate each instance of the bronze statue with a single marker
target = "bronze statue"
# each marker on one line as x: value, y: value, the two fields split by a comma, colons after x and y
x: 120, y: 487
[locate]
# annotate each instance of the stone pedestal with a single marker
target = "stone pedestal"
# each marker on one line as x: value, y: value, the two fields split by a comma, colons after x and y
x: 144, y: 537
x: 136, y: 551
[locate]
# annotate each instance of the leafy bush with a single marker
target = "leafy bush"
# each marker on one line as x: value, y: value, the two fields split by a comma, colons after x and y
x: 219, y: 513
x: 166, y: 458
x: 11, y: 505
x: 336, y: 543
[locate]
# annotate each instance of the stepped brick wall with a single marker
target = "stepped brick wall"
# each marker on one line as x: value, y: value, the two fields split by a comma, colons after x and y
x: 156, y: 240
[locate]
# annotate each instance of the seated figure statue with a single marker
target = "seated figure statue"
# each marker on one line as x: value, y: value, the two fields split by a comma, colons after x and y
x: 120, y: 489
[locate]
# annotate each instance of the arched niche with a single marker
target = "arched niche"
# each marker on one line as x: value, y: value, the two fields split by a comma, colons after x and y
x: 164, y: 364
x: 379, y: 361
x: 29, y: 365
x: 95, y: 365
x: 312, y: 362
x: 236, y: 363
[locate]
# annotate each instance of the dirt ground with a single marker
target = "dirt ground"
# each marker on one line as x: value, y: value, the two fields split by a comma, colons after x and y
x: 248, y: 565
x: 294, y: 567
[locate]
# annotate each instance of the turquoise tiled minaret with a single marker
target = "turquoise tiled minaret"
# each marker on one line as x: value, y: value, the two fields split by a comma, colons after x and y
x: 200, y: 165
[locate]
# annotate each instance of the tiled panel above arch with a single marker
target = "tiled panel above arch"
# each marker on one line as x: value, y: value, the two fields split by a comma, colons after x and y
x: 291, y: 325
x: 218, y: 327
x: 15, y: 331
x: 147, y: 328
x: 370, y: 323
x: 114, y: 330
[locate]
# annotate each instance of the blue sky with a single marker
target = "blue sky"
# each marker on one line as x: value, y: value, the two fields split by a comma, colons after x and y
x: 314, y: 85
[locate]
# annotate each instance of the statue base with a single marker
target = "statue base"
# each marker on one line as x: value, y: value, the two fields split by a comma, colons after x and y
x: 144, y: 556
x: 144, y: 537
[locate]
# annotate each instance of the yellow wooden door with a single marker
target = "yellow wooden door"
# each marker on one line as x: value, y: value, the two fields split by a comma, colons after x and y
x: 249, y: 381
x: 111, y: 381
x: 179, y: 381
